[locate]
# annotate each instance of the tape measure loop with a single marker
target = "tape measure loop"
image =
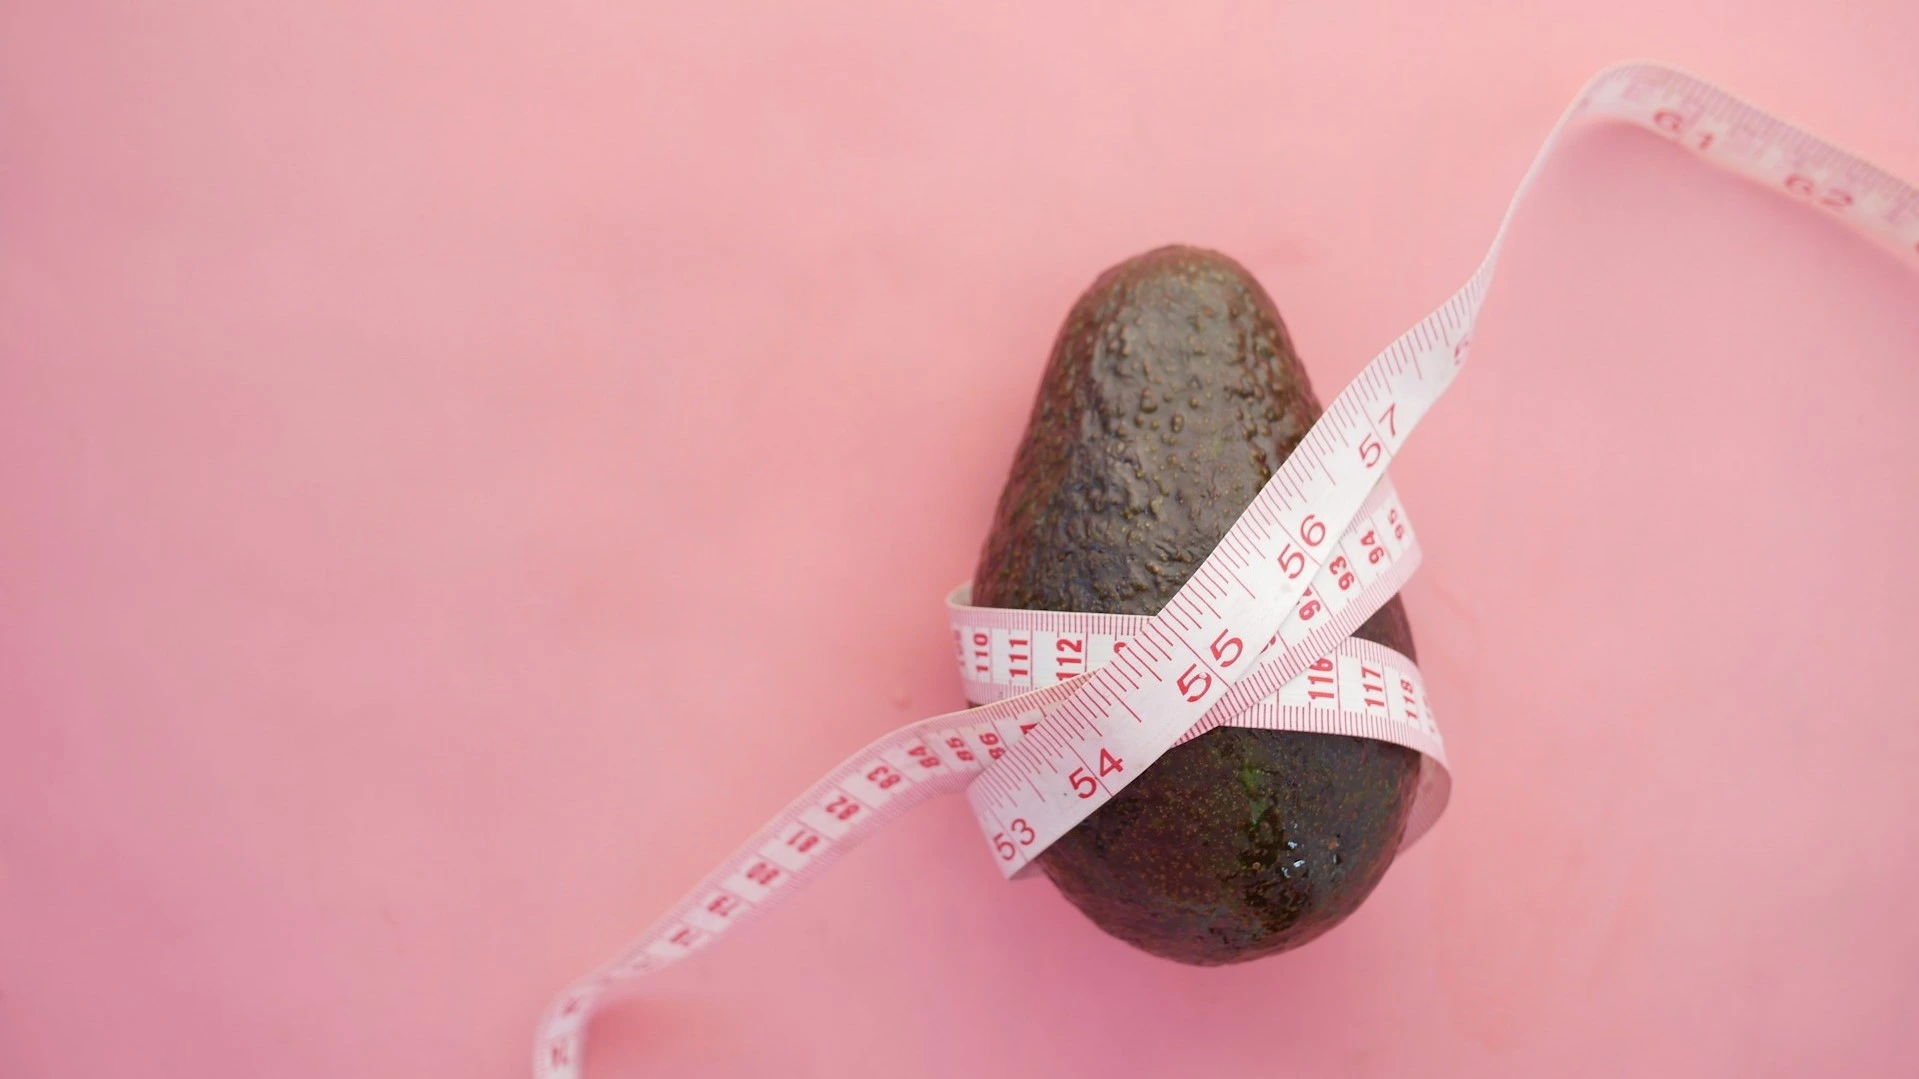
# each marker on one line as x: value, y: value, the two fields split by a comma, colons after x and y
x: 1066, y: 696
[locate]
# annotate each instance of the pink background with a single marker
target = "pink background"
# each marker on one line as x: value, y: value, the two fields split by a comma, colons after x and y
x: 463, y: 465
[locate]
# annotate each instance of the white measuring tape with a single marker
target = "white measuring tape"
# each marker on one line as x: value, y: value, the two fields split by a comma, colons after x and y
x: 1082, y: 704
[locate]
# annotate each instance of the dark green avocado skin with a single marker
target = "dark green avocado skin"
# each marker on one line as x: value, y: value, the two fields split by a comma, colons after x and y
x: 1172, y: 393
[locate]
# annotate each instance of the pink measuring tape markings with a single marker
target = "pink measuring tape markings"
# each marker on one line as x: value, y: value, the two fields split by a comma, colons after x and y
x: 1077, y: 705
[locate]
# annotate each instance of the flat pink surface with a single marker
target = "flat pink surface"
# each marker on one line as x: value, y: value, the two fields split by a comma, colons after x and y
x: 463, y: 465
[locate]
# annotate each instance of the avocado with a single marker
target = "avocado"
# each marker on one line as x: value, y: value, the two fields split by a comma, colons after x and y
x: 1173, y: 392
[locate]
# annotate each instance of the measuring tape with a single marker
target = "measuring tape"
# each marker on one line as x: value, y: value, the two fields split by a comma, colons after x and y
x: 1079, y: 705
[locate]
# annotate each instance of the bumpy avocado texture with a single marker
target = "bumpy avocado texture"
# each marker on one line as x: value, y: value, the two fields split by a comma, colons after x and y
x: 1172, y: 394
